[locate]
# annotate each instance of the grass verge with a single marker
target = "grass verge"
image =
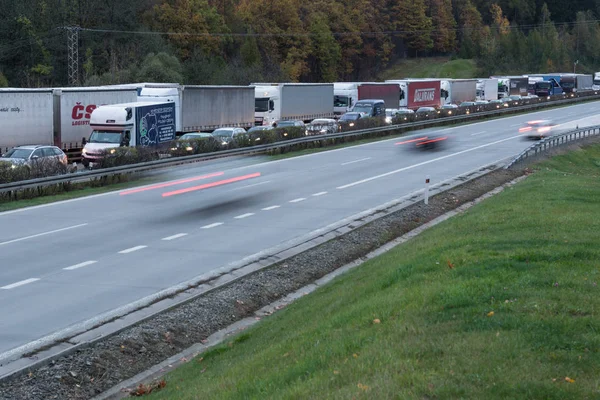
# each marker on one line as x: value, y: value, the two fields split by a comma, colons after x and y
x: 498, y: 303
x: 73, y: 194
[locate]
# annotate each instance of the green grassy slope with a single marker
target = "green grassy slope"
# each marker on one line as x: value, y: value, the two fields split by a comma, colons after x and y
x: 499, y: 303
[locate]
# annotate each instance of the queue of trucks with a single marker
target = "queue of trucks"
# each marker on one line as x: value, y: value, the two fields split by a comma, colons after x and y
x: 140, y: 114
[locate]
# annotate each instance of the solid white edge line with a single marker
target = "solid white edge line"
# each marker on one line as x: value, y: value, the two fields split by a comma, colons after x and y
x: 212, y: 225
x: 244, y: 216
x: 42, y: 234
x: 80, y: 265
x: 357, y: 161
x: 179, y: 235
x: 478, y: 133
x: 424, y: 163
x: 298, y: 200
x: 270, y: 208
x: 132, y: 249
x: 319, y: 194
x: 20, y: 283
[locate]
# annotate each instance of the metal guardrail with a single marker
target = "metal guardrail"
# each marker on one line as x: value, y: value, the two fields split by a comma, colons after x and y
x: 555, y: 141
x: 170, y: 162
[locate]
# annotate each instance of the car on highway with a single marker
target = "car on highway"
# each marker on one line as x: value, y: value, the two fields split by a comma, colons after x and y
x: 448, y: 109
x: 350, y: 118
x: 538, y: 129
x: 498, y: 104
x: 36, y: 155
x: 227, y: 135
x: 288, y: 123
x: 322, y: 126
x: 259, y: 128
x: 192, y: 142
x: 516, y: 99
x: 405, y: 114
x: 426, y: 112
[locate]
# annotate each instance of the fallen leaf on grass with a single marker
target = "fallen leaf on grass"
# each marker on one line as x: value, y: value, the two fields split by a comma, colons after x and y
x: 450, y: 265
x: 355, y: 355
x: 336, y: 372
x: 569, y: 380
x: 363, y: 387
x: 376, y: 321
x: 490, y: 314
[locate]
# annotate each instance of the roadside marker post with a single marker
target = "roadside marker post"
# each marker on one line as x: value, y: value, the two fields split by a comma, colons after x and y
x: 427, y: 190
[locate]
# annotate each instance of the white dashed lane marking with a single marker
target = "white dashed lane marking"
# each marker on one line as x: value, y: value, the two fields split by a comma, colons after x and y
x: 319, y: 194
x: 356, y: 161
x: 244, y: 216
x: 131, y: 250
x: 212, y: 225
x: 298, y: 200
x: 270, y: 208
x: 179, y: 235
x: 20, y: 283
x: 81, y: 265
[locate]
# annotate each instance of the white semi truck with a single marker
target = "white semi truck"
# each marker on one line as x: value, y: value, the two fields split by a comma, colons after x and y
x: 129, y: 125
x: 487, y: 89
x: 292, y: 101
x: 53, y: 116
x: 204, y: 108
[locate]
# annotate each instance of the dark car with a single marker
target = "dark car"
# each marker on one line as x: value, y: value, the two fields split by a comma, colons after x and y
x: 191, y: 142
x: 36, y: 155
x: 350, y: 118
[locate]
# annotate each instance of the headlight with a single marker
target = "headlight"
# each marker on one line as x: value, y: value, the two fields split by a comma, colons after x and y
x: 84, y: 151
x: 388, y: 120
x: 323, y: 131
x: 351, y: 124
x: 285, y: 134
x: 224, y: 143
x: 450, y: 112
x: 257, y: 139
x: 113, y: 151
x: 13, y: 166
x: 189, y: 148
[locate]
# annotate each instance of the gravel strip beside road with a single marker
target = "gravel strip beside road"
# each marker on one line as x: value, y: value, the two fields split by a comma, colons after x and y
x: 95, y: 369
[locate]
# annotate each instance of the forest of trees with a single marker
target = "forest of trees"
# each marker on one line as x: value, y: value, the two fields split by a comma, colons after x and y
x: 241, y: 41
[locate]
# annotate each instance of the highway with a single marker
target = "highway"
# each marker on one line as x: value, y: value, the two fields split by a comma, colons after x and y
x: 66, y: 262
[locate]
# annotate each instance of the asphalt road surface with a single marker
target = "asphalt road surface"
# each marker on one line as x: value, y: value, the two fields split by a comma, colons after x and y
x: 64, y: 263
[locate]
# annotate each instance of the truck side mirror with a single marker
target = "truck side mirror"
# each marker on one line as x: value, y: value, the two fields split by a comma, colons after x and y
x: 83, y: 141
x: 271, y: 105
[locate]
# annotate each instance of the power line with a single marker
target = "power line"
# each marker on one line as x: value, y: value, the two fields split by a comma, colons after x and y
x: 337, y: 34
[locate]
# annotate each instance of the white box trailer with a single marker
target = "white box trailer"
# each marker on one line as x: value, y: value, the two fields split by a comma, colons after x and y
x: 456, y: 91
x: 73, y: 108
x: 205, y: 108
x: 292, y: 101
x: 487, y: 89
x: 25, y: 117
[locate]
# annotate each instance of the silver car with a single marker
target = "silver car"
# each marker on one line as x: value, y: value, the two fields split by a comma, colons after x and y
x: 35, y: 155
x: 227, y: 135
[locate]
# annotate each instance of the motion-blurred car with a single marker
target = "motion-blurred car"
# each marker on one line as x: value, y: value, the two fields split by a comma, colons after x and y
x: 35, y: 155
x: 228, y: 135
x: 190, y: 142
x: 537, y: 130
x: 322, y: 126
x: 350, y: 118
x: 516, y: 99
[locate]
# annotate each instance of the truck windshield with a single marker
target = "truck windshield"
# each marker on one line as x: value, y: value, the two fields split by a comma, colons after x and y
x: 544, y: 85
x: 363, y: 108
x: 261, y: 104
x: 568, y: 84
x: 341, y: 101
x: 105, y: 137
